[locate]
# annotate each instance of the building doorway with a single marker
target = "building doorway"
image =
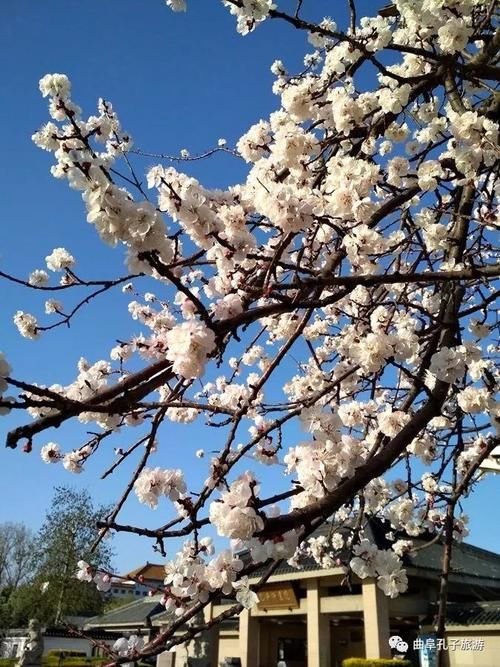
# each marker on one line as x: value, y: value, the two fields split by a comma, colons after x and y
x: 283, y: 639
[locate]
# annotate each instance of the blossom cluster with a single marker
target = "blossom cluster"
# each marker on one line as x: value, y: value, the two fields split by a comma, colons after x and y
x: 191, y: 577
x: 233, y: 515
x: 384, y: 564
x: 86, y: 572
x: 152, y: 483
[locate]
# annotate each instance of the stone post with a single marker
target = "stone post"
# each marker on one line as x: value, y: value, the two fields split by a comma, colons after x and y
x: 249, y: 639
x: 376, y: 621
x: 318, y: 628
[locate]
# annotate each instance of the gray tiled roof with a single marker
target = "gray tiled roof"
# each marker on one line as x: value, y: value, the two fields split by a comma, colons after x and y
x: 474, y: 613
x: 467, y: 560
x: 306, y: 565
x: 135, y: 613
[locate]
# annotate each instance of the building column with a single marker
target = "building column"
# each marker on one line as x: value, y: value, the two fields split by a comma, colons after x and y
x: 249, y: 639
x: 211, y: 636
x: 318, y: 628
x: 376, y: 621
x: 167, y: 658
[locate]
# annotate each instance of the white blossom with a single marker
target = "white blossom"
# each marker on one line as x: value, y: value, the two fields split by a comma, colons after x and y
x: 53, y: 306
x: 84, y: 571
x: 51, y: 453
x: 59, y: 259
x: 26, y: 324
x: 188, y: 346
x: 454, y: 34
x: 232, y: 515
x: 152, y: 483
x: 472, y: 399
x: 244, y: 594
x: 55, y: 85
x: 392, y: 421
x: 448, y: 363
x: 38, y: 278
x: 73, y: 462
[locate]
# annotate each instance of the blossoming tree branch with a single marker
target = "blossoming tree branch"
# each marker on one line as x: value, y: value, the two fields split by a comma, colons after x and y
x: 348, y: 285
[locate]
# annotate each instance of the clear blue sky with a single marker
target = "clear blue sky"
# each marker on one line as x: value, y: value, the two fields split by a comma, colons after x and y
x: 176, y: 80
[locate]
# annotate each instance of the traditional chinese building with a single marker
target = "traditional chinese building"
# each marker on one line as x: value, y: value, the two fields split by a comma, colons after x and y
x: 138, y: 582
x: 310, y: 618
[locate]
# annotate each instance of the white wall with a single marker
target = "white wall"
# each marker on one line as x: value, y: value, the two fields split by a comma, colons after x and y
x: 12, y: 647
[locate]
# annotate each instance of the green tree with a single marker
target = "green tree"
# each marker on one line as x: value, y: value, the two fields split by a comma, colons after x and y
x: 65, y: 537
x: 114, y: 603
x: 5, y: 608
